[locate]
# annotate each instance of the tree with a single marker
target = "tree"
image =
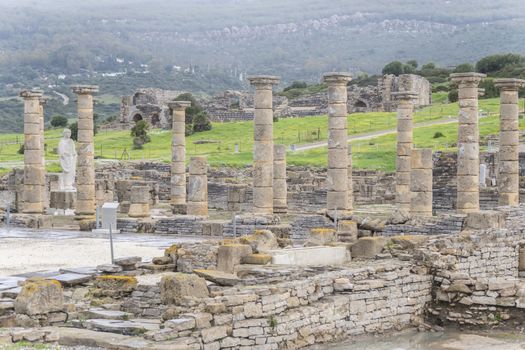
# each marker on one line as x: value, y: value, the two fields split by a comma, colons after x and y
x: 201, y: 122
x: 296, y: 85
x: 140, y: 134
x: 464, y: 68
x: 74, y: 130
x: 496, y: 63
x: 413, y: 63
x: 409, y: 69
x: 58, y: 121
x: 453, y: 96
x: 196, y: 117
x: 395, y: 68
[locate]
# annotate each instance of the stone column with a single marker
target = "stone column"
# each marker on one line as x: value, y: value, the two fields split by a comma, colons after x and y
x: 350, y: 180
x: 43, y: 101
x: 468, y: 142
x: 140, y: 198
x: 421, y: 182
x: 280, y: 190
x: 198, y: 187
x: 509, y: 139
x: 34, y: 170
x: 85, y: 149
x: 337, y: 175
x: 178, y: 156
x: 263, y: 143
x: 405, y: 110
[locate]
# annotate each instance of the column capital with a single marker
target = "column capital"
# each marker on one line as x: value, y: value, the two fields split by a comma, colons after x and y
x: 31, y: 94
x: 263, y: 80
x: 84, y: 89
x: 179, y: 105
x: 509, y: 84
x: 467, y: 78
x: 404, y: 95
x: 337, y: 78
x: 43, y: 100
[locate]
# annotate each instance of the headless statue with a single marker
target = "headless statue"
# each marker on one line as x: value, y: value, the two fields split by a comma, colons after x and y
x: 68, y: 161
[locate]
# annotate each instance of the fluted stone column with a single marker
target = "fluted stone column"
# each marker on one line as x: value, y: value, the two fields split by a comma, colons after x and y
x: 509, y: 139
x: 178, y: 156
x: 263, y: 143
x: 34, y: 169
x: 421, y: 182
x: 405, y: 110
x: 280, y: 191
x: 468, y: 142
x: 85, y: 148
x: 350, y: 180
x: 198, y: 187
x: 337, y: 176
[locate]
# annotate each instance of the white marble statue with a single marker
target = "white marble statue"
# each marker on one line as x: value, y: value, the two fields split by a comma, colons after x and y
x: 68, y: 161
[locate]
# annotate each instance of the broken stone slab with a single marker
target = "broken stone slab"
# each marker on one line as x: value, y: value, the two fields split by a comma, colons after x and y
x: 99, y: 313
x: 310, y: 256
x: 257, y: 259
x: 175, y: 286
x: 7, y: 283
x: 220, y: 277
x: 230, y: 255
x: 126, y: 327
x: 80, y: 270
x: 128, y: 262
x: 10, y: 293
x: 153, y: 267
x: 39, y: 296
x: 162, y: 260
x: 181, y: 324
x: 109, y: 268
x: 368, y: 247
x: 71, y: 279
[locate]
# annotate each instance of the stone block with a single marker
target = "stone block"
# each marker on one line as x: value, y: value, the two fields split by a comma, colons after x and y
x: 220, y: 277
x: 321, y: 236
x: 139, y: 210
x: 258, y: 259
x: 368, y: 247
x: 260, y: 241
x: 485, y: 219
x: 39, y: 296
x: 230, y: 255
x: 310, y: 256
x: 175, y: 286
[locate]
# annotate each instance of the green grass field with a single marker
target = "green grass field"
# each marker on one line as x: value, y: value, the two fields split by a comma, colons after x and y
x: 219, y: 143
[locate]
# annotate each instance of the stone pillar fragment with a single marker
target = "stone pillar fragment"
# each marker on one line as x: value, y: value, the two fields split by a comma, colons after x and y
x: 421, y: 182
x: 178, y: 156
x: 34, y: 168
x: 280, y: 190
x: 140, y: 198
x: 337, y: 176
x: 509, y: 139
x: 263, y: 143
x: 405, y: 138
x: 468, y: 142
x: 198, y: 187
x: 86, y: 151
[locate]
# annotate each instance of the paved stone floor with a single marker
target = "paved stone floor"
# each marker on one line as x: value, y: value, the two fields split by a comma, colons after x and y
x: 23, y: 251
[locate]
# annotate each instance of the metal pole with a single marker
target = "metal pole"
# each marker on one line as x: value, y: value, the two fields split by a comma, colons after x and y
x: 234, y: 225
x: 8, y: 216
x: 97, y: 217
x: 111, y: 244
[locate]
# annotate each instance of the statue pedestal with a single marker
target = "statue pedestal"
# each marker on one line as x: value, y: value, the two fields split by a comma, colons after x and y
x: 64, y: 200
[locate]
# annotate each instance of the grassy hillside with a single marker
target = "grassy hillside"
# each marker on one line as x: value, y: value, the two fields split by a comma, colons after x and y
x: 219, y: 143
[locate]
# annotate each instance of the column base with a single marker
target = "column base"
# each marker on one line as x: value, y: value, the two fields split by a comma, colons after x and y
x: 179, y: 209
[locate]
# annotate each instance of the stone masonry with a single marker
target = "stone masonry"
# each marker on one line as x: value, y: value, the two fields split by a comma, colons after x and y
x: 178, y: 156
x: 34, y: 167
x: 198, y: 187
x: 86, y: 158
x: 509, y: 139
x: 263, y: 144
x: 468, y: 142
x: 280, y: 191
x: 404, y: 149
x: 421, y: 182
x: 43, y: 101
x: 140, y: 199
x: 337, y: 177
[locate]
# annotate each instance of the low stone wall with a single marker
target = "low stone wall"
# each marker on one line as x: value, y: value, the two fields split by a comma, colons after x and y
x: 327, y: 307
x: 442, y: 224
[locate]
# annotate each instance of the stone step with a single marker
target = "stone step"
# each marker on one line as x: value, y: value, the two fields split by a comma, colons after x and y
x: 99, y: 313
x: 125, y: 327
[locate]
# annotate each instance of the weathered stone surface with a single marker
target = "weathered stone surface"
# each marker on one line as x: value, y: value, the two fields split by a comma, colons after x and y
x: 116, y: 283
x: 368, y: 247
x: 219, y: 277
x: 175, y: 286
x: 261, y: 241
x: 230, y: 255
x: 39, y: 296
x: 484, y: 220
x: 257, y: 259
x: 321, y: 236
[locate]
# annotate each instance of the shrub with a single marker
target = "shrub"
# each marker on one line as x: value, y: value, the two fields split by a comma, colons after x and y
x: 58, y: 121
x: 438, y: 134
x: 21, y: 149
x: 453, y: 96
x: 140, y: 134
x: 74, y: 130
x: 201, y: 122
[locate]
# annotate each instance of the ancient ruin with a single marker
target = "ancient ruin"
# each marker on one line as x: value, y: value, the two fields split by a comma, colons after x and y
x: 269, y: 256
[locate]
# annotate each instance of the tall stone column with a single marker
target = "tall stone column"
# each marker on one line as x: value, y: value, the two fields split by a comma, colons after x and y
x: 178, y: 156
x: 86, y: 153
x: 43, y: 101
x: 405, y: 110
x: 280, y: 190
x: 34, y: 170
x: 198, y: 187
x: 263, y: 143
x: 421, y: 182
x: 509, y: 139
x: 350, y: 180
x: 337, y: 177
x: 468, y: 142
